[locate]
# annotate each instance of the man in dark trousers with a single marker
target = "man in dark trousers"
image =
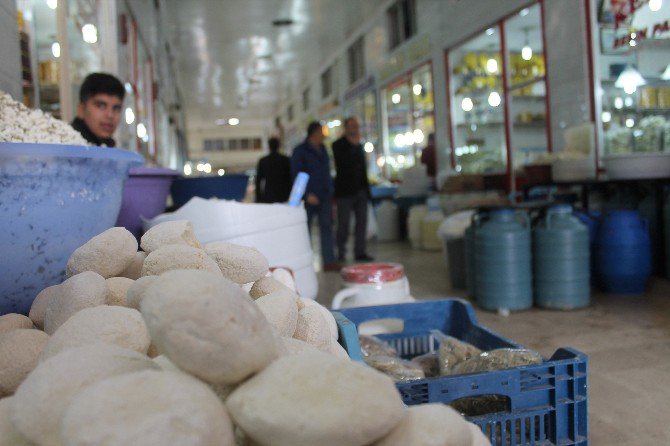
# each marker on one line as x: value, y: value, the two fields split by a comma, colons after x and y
x: 273, y: 176
x: 99, y: 109
x: 311, y: 157
x: 352, y: 190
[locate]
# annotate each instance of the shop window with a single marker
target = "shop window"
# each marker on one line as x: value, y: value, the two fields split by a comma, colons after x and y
x: 477, y: 104
x: 401, y: 17
x: 526, y: 86
x: 224, y: 144
x: 327, y: 83
x: 634, y: 77
x: 356, y: 59
x: 305, y: 100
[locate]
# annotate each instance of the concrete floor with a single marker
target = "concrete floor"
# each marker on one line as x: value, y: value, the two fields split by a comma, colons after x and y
x: 626, y: 338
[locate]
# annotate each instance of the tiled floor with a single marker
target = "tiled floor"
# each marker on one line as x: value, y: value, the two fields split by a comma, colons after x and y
x: 627, y: 340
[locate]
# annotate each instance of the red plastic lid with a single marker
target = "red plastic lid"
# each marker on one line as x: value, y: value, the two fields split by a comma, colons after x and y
x: 373, y: 273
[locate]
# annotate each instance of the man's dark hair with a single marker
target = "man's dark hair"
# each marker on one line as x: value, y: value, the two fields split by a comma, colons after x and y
x: 348, y: 120
x: 273, y: 143
x: 313, y: 127
x: 97, y: 83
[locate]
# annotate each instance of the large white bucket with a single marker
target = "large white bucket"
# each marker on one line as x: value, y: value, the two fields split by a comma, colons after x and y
x: 276, y: 230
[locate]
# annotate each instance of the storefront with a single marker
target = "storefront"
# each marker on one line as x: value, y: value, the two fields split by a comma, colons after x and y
x: 497, y: 96
x: 361, y: 103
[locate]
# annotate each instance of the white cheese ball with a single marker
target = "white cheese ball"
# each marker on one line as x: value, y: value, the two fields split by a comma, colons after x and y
x: 325, y: 312
x: 281, y: 310
x: 429, y: 425
x: 266, y: 285
x: 136, y: 291
x: 40, y: 401
x: 14, y: 321
x: 39, y: 306
x: 118, y: 289
x: 134, y: 269
x: 147, y: 408
x: 240, y: 264
x: 107, y: 254
x: 296, y: 346
x: 9, y: 436
x: 114, y: 325
x: 178, y: 232
x: 285, y: 277
x: 208, y: 326
x: 313, y: 328
x: 478, y: 437
x: 314, y: 399
x: 84, y: 290
x: 338, y: 351
x: 173, y: 257
x: 19, y: 353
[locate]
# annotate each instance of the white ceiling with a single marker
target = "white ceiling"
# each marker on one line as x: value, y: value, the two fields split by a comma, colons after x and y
x: 231, y: 61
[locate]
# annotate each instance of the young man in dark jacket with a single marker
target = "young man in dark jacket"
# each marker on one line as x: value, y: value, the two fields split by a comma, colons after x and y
x: 312, y: 158
x: 273, y: 176
x: 99, y: 109
x: 352, y: 190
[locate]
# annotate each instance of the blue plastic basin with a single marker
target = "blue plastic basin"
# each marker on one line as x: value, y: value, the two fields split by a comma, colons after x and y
x: 226, y: 187
x: 53, y: 198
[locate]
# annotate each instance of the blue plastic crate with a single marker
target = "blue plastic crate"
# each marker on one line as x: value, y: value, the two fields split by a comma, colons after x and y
x: 546, y: 403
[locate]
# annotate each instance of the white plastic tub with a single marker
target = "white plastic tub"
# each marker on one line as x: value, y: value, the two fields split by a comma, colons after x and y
x: 637, y: 165
x: 276, y: 230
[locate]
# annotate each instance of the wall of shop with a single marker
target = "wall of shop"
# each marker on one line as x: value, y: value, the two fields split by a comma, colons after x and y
x: 233, y: 160
x: 10, y: 68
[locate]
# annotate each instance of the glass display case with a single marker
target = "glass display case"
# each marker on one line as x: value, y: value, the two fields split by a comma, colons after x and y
x: 409, y: 119
x: 634, y: 78
x: 477, y: 104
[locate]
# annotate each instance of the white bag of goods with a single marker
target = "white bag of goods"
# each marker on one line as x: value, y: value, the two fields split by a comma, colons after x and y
x: 387, y: 222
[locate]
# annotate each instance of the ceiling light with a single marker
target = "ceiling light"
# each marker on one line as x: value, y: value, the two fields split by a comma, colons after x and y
x: 399, y: 140
x: 401, y: 159
x: 655, y: 5
x: 337, y: 123
x: 368, y: 147
x: 606, y: 116
x: 381, y: 161
x: 467, y: 104
x: 526, y: 53
x: 207, y: 168
x: 628, y: 102
x: 630, y: 122
x: 632, y: 43
x: 418, y: 136
x: 221, y: 172
x: 128, y: 87
x: 409, y: 138
x: 200, y: 167
x: 490, y: 31
x: 53, y: 4
x: 188, y: 170
x: 395, y: 98
x: 494, y: 99
x: 666, y: 74
x: 629, y: 80
x: 417, y: 89
x: 524, y: 12
x: 145, y: 138
x: 55, y: 49
x: 141, y: 130
x: 233, y: 121
x: 130, y: 116
x: 618, y: 103
x: 89, y: 33
x: 492, y: 65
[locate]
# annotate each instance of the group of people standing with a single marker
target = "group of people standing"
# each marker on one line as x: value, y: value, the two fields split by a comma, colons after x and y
x: 350, y: 189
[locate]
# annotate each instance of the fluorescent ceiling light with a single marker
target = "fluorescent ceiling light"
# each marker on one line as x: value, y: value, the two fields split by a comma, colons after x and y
x: 629, y: 80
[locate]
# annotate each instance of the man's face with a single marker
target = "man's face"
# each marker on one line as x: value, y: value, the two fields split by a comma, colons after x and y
x: 101, y: 113
x: 317, y: 137
x: 352, y: 130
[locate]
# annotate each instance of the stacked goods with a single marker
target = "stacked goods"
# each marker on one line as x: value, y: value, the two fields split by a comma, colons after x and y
x: 21, y: 124
x: 193, y: 345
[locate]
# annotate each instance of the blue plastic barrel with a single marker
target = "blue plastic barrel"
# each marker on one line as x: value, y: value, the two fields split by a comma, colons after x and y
x: 470, y: 253
x: 503, y: 262
x: 623, y: 253
x: 561, y: 260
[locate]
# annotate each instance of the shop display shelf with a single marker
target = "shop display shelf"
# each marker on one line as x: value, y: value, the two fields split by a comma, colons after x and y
x: 546, y: 403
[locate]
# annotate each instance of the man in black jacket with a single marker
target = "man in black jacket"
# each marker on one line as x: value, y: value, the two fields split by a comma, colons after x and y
x: 99, y: 109
x: 352, y: 190
x: 273, y: 176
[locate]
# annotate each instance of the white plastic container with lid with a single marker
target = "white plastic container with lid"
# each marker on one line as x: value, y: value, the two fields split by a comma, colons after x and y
x: 278, y: 231
x: 430, y: 225
x: 372, y: 284
x: 414, y: 219
x: 387, y: 222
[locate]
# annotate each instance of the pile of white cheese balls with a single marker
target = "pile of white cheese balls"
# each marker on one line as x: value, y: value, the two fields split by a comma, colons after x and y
x: 194, y: 345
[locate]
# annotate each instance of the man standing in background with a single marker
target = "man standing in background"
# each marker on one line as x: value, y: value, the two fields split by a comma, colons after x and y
x: 311, y: 157
x: 429, y: 158
x: 273, y: 176
x: 352, y: 190
x: 99, y: 109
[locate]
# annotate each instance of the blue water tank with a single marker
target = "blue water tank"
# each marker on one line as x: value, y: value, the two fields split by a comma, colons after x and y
x: 623, y: 253
x: 561, y: 260
x: 503, y: 261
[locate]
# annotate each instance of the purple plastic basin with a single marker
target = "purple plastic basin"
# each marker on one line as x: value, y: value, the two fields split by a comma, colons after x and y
x: 144, y: 196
